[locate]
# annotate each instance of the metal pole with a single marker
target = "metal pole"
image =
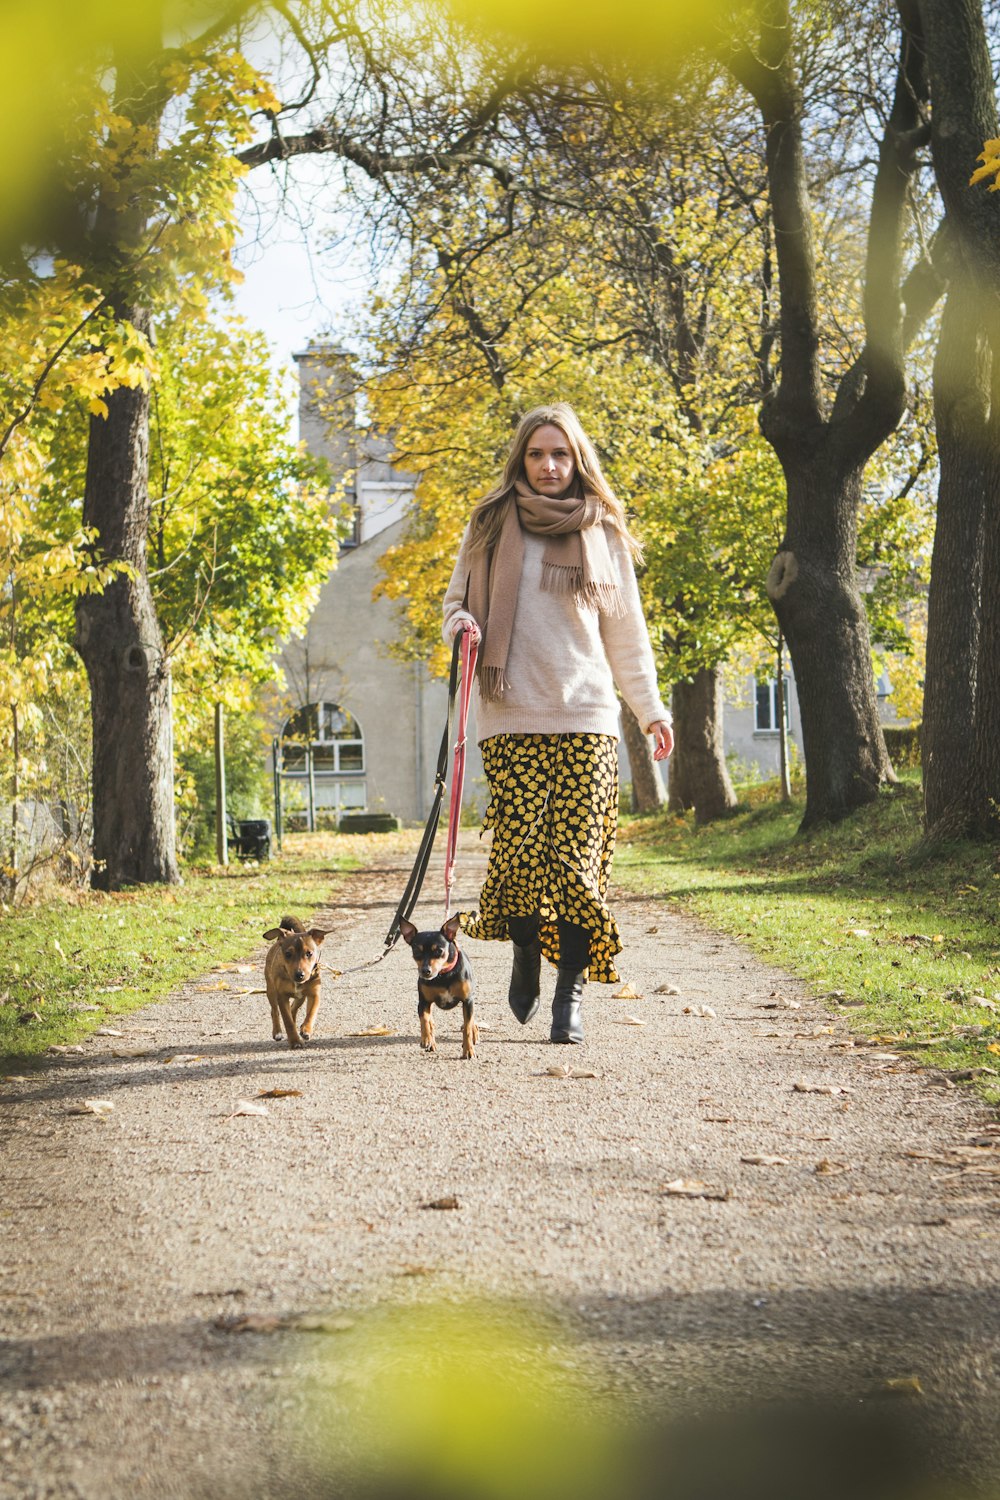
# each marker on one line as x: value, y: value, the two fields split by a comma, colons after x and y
x: 221, y: 841
x: 786, y: 789
x: 311, y: 776
x: 276, y: 758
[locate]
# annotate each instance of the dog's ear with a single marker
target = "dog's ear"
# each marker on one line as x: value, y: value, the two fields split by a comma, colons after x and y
x: 451, y: 927
x: 407, y: 931
x: 317, y: 934
x: 274, y: 933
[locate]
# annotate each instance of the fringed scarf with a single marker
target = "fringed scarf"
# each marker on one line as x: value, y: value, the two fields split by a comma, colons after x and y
x: 576, y: 561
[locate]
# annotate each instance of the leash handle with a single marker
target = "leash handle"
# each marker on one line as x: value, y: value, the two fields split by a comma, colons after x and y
x: 470, y: 652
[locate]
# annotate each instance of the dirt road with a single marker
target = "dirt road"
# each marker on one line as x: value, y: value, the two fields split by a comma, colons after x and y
x: 740, y: 1205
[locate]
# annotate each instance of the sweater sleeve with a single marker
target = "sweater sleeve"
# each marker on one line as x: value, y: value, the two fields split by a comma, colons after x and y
x: 626, y: 643
x: 454, y: 612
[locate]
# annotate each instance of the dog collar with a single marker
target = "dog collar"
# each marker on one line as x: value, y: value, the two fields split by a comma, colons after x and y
x: 448, y: 967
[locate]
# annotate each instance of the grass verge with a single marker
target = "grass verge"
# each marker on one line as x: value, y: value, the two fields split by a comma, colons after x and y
x: 72, y: 961
x: 907, y: 938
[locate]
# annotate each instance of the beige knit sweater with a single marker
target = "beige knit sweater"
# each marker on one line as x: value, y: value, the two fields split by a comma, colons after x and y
x: 564, y: 661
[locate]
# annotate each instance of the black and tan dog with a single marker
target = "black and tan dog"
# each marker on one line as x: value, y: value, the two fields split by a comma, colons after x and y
x: 444, y: 978
x: 291, y: 974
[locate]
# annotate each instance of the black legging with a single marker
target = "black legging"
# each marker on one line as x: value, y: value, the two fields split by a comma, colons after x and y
x: 574, y: 941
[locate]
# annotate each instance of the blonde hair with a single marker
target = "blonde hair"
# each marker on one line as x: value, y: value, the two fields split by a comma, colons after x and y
x: 488, y: 514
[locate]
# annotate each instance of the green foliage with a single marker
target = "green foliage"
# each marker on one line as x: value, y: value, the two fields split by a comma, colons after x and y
x: 249, y: 791
x: 903, y: 744
x: 244, y: 530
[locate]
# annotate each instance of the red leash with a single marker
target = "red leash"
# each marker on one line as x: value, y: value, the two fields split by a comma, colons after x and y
x: 469, y: 654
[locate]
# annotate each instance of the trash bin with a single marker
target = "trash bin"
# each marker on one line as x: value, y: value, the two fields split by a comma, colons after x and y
x: 250, y: 838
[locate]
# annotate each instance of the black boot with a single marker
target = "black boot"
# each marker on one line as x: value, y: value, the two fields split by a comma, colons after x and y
x: 567, y: 1021
x: 525, y: 977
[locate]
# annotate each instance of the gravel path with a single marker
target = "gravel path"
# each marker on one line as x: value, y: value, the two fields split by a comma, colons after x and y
x: 847, y: 1239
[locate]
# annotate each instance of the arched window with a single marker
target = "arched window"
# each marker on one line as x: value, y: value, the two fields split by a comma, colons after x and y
x: 333, y: 739
x: 335, y: 735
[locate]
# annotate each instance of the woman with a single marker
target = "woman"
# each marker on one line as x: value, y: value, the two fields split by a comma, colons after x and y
x: 545, y: 580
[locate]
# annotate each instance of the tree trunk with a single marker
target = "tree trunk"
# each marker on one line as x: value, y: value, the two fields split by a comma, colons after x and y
x: 699, y: 777
x: 964, y: 117
x: 961, y: 402
x: 813, y: 588
x: 647, y: 784
x: 984, y: 777
x: 118, y: 637
x: 823, y: 449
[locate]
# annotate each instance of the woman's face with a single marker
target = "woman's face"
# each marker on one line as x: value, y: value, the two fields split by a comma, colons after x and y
x: 549, y: 466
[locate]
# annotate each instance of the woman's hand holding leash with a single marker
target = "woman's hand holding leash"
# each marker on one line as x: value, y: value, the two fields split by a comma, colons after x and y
x: 663, y: 736
x: 467, y: 622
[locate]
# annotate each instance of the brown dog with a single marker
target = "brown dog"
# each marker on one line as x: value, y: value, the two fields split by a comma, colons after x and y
x: 291, y: 974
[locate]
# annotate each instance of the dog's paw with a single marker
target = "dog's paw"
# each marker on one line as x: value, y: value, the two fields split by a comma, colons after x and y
x: 305, y: 1035
x: 467, y: 1055
x: 279, y: 1036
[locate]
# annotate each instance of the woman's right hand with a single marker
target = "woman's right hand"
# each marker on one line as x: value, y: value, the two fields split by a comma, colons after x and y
x: 464, y: 621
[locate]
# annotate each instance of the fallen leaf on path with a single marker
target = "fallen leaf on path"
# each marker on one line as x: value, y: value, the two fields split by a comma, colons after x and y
x: 417, y: 1270
x: 313, y: 1324
x: 16, y: 1078
x: 828, y: 1168
x: 450, y: 1202
x: 108, y: 1031
x: 666, y: 989
x: 247, y: 1107
x: 184, y: 1057
x: 203, y: 989
x: 63, y: 1051
x: 693, y: 1187
x: 280, y: 1094
x: 132, y: 1052
x: 242, y: 994
x: 861, y: 932
x: 629, y: 1021
x: 765, y: 1161
x: 98, y: 1107
x: 249, y: 1323
x: 705, y: 1011
x: 904, y: 1385
x: 374, y: 1031
x: 626, y: 993
x: 563, y: 1070
x: 820, y: 1088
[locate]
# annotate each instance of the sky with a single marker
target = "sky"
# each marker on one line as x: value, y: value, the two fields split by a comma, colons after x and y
x: 302, y: 280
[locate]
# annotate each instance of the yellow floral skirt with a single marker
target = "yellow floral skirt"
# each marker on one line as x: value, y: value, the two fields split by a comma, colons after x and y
x: 553, y: 810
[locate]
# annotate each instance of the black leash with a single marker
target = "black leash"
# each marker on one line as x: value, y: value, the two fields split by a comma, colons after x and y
x: 416, y: 880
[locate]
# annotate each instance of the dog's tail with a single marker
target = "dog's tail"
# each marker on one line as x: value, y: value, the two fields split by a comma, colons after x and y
x: 291, y: 924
